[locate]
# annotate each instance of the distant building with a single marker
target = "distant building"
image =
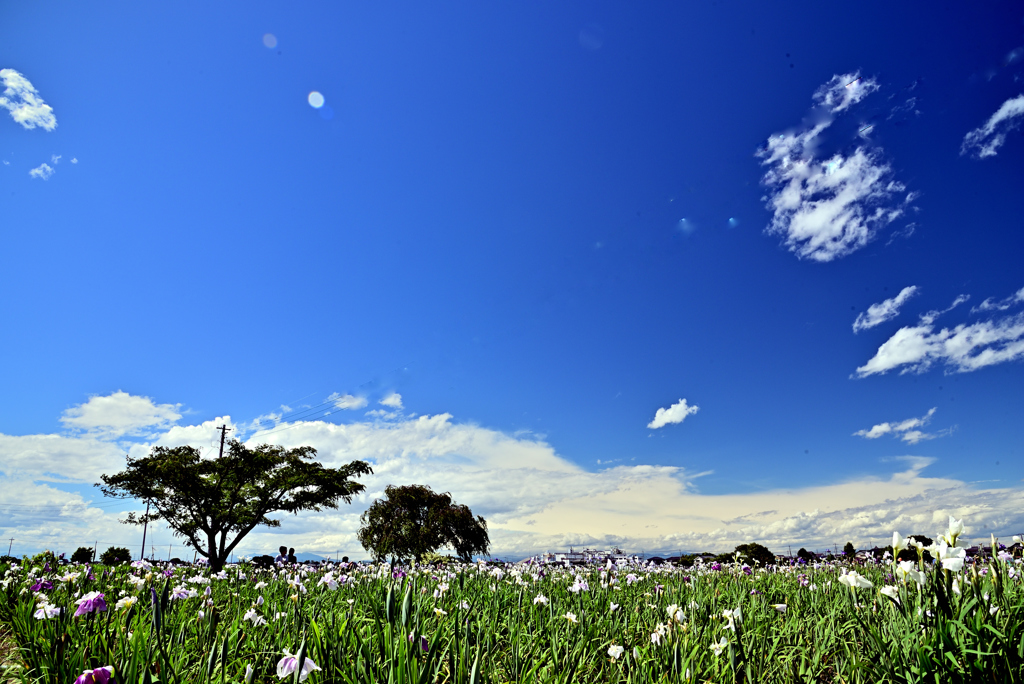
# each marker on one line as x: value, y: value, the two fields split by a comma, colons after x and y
x: 586, y: 556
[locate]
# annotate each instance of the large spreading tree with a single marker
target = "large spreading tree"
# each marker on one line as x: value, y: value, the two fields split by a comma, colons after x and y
x: 413, y: 520
x: 214, y: 502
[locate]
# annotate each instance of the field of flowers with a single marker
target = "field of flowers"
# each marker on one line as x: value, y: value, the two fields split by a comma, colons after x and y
x: 949, y: 619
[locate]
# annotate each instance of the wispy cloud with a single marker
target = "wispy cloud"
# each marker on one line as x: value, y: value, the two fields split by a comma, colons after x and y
x: 22, y: 100
x: 883, y: 311
x: 991, y: 304
x: 825, y: 209
x: 907, y: 430
x: 43, y: 171
x: 986, y: 140
x: 964, y: 348
x: 676, y: 413
x: 347, y: 402
x: 929, y: 317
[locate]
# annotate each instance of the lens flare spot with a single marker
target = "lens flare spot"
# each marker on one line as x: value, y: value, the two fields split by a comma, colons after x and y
x: 269, y: 40
x: 316, y: 100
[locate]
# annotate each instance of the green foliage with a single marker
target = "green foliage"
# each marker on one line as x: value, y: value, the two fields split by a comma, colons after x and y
x: 849, y: 551
x: 806, y: 555
x: 206, y: 500
x: 479, y: 624
x: 432, y: 558
x: 83, y: 554
x: 754, y: 553
x: 116, y: 555
x: 413, y: 520
x: 43, y: 559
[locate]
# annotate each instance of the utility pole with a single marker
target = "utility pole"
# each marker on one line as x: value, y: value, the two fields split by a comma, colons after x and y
x: 223, y: 433
x: 145, y: 526
x: 10, y: 546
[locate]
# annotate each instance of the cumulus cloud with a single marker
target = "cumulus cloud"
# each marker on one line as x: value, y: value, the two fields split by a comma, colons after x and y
x: 986, y: 140
x: 825, y: 209
x: 964, y: 348
x: 676, y: 413
x: 347, y: 402
x: 393, y: 400
x: 121, y: 414
x: 22, y: 100
x: 906, y: 430
x: 43, y: 171
x: 883, y: 311
x: 533, y: 498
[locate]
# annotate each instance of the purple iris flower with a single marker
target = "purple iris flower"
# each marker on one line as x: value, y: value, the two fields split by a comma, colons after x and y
x: 168, y: 573
x: 398, y: 574
x: 91, y: 603
x: 716, y: 566
x: 101, y: 675
x: 42, y: 585
x: 46, y: 568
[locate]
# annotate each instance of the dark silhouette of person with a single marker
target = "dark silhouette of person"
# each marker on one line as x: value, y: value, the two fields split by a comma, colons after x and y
x: 291, y: 556
x: 282, y: 557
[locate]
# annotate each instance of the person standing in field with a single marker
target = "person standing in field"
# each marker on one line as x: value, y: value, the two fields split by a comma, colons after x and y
x: 291, y: 556
x: 282, y: 556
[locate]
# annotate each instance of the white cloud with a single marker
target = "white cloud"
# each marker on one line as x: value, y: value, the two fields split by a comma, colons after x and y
x: 533, y: 499
x: 961, y: 349
x: 929, y: 317
x: 120, y: 414
x: 828, y: 208
x: 985, y: 141
x: 844, y: 91
x: 43, y: 171
x: 906, y: 430
x: 74, y: 160
x: 676, y: 413
x: 57, y: 458
x: 347, y: 401
x: 22, y: 100
x: 1002, y: 304
x: 883, y: 311
x: 394, y: 400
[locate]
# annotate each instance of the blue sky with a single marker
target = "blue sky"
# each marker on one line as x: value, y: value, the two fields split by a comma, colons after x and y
x: 545, y: 221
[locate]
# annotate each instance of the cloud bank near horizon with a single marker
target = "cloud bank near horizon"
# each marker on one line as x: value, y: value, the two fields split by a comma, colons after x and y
x: 533, y: 498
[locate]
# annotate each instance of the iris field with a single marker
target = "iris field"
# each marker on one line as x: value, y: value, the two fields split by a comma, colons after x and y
x: 944, y: 619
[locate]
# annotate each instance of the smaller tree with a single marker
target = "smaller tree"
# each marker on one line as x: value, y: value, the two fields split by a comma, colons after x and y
x: 806, y: 555
x: 115, y: 555
x: 755, y: 553
x: 83, y: 554
x: 849, y: 551
x: 413, y: 520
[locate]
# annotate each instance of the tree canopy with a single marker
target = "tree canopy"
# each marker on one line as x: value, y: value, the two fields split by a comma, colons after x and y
x: 207, y: 500
x: 413, y: 520
x: 755, y: 553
